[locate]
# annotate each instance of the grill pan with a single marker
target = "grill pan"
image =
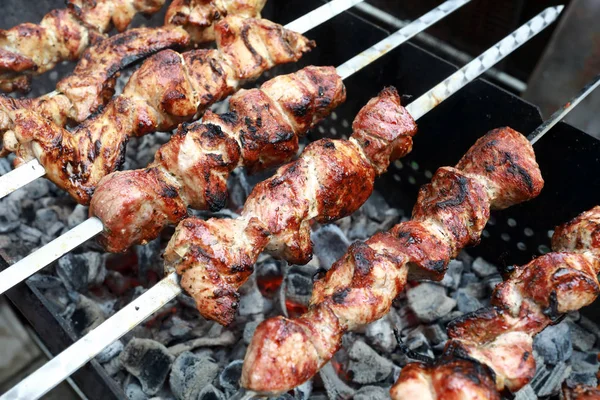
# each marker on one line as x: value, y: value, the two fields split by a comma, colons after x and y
x: 569, y: 158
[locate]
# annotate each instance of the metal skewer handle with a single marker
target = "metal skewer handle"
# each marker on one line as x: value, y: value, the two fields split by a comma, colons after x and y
x: 71, y: 359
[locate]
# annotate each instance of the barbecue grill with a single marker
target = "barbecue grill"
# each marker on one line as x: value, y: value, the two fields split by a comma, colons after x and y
x: 569, y: 158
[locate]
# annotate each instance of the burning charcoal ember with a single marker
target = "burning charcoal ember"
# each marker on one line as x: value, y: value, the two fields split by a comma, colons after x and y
x: 190, y: 374
x: 335, y: 387
x: 86, y: 316
x: 429, y: 301
x: 585, y: 368
x: 78, y: 271
x: 149, y: 361
x: 180, y: 328
x: 113, y: 367
x: 209, y: 392
x: 453, y: 275
x: 465, y: 302
x: 251, y: 302
x: 299, y: 283
x: 45, y: 218
x: 554, y: 344
x: 329, y: 244
x: 491, y: 281
x: 372, y: 393
x: 110, y: 352
x: 79, y: 214
x: 582, y: 339
x: 435, y: 334
x: 527, y: 393
x: 381, y: 335
x: 134, y: 391
x: 366, y: 366
x: 8, y: 226
x: 483, y: 268
x: 149, y: 259
x: 5, y: 166
x: 5, y: 242
x: 229, y: 379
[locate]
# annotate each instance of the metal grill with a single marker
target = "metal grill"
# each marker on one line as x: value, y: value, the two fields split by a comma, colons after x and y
x: 566, y: 155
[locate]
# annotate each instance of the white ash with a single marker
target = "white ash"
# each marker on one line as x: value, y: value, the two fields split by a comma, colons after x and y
x: 200, y: 359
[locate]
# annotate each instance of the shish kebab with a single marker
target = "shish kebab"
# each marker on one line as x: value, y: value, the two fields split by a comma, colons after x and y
x: 451, y: 212
x: 198, y: 153
x: 489, y: 351
x: 90, y: 345
x: 169, y: 88
x: 64, y: 34
x: 92, y: 83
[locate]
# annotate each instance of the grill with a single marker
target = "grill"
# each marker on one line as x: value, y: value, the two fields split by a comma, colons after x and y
x: 568, y: 158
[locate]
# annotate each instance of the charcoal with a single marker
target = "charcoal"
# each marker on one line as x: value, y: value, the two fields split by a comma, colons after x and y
x: 526, y: 393
x: 465, y: 302
x: 477, y: 290
x: 381, y: 335
x: 334, y: 386
x: 483, y: 268
x: 86, y: 316
x: 29, y: 234
x: 491, y: 281
x: 590, y: 326
x: 110, y: 352
x: 584, y: 362
x: 303, y: 391
x: 37, y: 189
x: 113, y: 367
x: 149, y: 259
x: 79, y: 214
x: 452, y: 277
x: 366, y: 365
x: 227, y: 338
x: 180, y: 328
x: 45, y: 218
x: 149, y: 361
x: 284, y: 396
x: 5, y: 241
x: 44, y: 281
x: 190, y: 374
x: 8, y: 226
x: 582, y: 339
x: 209, y: 392
x: 551, y: 384
x: 55, y: 229
x: 329, y: 244
x: 554, y: 343
x: 249, y: 329
x: 299, y: 284
x: 229, y: 379
x: 5, y: 166
x: 251, y: 303
x: 133, y: 391
x: 416, y: 341
x: 583, y: 378
x: 435, y: 334
x: 77, y: 271
x: 372, y: 393
x: 468, y: 277
x: 429, y: 301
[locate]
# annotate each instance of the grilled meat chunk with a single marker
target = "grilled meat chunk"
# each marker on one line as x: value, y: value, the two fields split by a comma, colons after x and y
x: 360, y: 287
x: 63, y: 34
x: 196, y: 162
x: 330, y: 180
x: 535, y: 296
x: 169, y: 88
x: 198, y: 16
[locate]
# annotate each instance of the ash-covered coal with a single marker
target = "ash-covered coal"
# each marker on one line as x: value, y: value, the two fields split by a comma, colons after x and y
x: 176, y: 354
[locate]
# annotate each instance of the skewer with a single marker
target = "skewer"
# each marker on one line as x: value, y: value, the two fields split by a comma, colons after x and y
x: 88, y: 347
x: 33, y: 169
x: 492, y: 345
x: 63, y: 244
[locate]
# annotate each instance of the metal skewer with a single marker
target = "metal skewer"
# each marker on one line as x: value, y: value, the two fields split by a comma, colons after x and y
x: 68, y: 241
x: 71, y: 359
x: 33, y: 169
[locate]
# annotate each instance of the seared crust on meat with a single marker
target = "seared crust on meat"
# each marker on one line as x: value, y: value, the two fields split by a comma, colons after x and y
x: 91, y: 84
x: 168, y: 89
x: 331, y: 179
x: 360, y: 287
x: 199, y: 16
x: 63, y: 34
x: 536, y: 295
x: 198, y: 159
